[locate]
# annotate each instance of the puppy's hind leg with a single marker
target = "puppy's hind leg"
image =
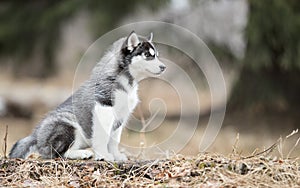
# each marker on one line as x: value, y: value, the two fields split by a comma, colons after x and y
x: 76, y: 151
x: 54, y: 137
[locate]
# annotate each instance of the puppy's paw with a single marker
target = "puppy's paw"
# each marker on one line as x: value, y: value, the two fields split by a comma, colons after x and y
x: 120, y: 157
x: 104, y: 156
x: 79, y: 154
x: 87, y: 154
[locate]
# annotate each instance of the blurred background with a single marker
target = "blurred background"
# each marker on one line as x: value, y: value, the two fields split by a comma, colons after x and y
x: 256, y: 42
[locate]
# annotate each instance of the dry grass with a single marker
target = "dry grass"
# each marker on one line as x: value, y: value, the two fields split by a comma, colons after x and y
x: 205, y: 170
x: 260, y: 169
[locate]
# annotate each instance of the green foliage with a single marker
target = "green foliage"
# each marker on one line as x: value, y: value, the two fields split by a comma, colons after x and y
x: 27, y: 25
x: 273, y: 35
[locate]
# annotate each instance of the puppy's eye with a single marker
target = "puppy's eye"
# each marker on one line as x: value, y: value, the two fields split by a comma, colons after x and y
x: 147, y: 54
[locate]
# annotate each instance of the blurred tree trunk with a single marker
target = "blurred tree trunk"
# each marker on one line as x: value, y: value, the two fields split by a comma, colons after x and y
x: 269, y: 80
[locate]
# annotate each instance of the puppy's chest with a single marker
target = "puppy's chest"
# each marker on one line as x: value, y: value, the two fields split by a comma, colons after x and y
x: 125, y: 102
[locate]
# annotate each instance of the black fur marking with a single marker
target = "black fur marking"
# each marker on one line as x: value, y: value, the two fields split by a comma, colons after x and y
x: 117, y: 125
x: 129, y: 76
x: 105, y: 102
x: 111, y: 78
x: 104, y: 95
x: 123, y: 70
x: 119, y: 86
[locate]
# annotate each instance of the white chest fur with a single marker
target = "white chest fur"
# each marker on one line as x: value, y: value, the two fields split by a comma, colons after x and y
x: 105, y: 138
x: 125, y: 102
x: 123, y: 105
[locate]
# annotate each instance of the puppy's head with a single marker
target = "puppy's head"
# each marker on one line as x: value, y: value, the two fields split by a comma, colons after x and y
x: 141, y: 57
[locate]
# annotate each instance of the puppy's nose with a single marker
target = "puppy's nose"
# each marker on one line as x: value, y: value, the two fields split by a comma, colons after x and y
x: 162, y: 67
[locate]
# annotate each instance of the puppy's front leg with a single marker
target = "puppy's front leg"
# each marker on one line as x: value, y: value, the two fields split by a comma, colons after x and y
x: 113, y: 144
x: 103, y: 118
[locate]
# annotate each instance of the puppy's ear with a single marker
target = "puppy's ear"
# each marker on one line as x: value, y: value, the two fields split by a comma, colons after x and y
x: 132, y: 40
x: 150, y: 37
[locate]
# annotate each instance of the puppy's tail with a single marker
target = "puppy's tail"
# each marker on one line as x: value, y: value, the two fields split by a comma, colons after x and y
x: 23, y: 147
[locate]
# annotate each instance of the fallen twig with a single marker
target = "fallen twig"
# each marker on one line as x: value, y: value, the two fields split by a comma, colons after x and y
x: 5, y: 142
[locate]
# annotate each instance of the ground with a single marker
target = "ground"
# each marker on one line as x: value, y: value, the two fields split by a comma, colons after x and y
x: 204, y: 170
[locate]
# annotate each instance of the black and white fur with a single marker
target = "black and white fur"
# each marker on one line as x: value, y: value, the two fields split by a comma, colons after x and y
x: 93, y: 117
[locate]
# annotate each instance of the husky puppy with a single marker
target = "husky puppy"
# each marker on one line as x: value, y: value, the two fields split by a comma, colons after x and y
x: 93, y: 117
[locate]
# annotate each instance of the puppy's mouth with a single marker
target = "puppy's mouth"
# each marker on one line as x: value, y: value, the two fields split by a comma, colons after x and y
x: 155, y: 73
